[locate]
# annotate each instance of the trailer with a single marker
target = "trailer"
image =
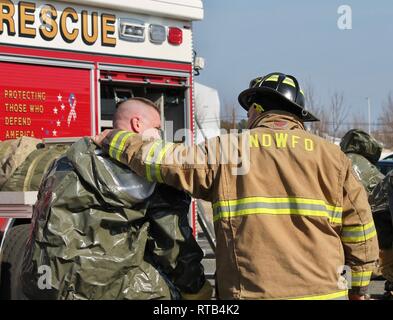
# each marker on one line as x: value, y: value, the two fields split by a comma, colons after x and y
x: 65, y: 64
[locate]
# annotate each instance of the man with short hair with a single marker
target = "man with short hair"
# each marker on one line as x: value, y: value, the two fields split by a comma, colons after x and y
x: 290, y: 217
x: 141, y: 115
x: 138, y: 115
x: 106, y: 233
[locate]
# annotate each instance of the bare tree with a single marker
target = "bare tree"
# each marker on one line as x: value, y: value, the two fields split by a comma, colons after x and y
x: 385, y: 132
x: 229, y: 117
x: 339, y: 113
x: 314, y: 105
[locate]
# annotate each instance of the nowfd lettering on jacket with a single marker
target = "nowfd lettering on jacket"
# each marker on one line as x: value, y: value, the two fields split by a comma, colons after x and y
x: 280, y: 140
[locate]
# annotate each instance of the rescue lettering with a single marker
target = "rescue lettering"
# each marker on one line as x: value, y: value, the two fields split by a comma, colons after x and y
x: 49, y: 29
x: 68, y: 36
x: 69, y: 23
x: 87, y: 38
x: 26, y: 19
x: 280, y: 140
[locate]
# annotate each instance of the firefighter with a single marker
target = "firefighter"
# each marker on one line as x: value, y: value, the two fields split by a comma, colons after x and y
x: 291, y: 220
x: 364, y: 152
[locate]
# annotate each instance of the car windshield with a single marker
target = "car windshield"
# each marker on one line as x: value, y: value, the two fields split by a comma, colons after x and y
x: 385, y: 165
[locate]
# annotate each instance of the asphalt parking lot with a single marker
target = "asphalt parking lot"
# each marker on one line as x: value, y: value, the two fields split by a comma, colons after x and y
x: 376, y: 289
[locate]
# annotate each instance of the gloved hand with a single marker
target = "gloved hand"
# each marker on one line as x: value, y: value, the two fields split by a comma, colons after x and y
x: 205, y: 293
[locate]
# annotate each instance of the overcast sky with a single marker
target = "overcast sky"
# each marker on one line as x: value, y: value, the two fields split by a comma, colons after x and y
x: 244, y: 39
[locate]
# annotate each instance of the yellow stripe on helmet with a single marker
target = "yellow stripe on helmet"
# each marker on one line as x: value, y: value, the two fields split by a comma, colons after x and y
x: 289, y: 82
x: 273, y: 77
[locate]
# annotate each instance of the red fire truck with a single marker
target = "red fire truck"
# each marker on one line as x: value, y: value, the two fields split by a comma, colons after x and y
x: 65, y: 64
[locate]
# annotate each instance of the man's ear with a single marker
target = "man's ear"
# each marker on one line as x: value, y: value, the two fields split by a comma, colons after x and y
x: 135, y: 125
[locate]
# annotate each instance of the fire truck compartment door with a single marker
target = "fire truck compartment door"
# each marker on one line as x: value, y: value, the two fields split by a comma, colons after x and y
x: 45, y: 101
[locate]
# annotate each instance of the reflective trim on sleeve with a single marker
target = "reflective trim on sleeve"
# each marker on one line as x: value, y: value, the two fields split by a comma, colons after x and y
x: 161, y: 156
x: 149, y: 161
x: 359, y: 233
x: 114, y: 144
x: 276, y: 206
x: 154, y: 159
x: 360, y: 279
x: 122, y: 143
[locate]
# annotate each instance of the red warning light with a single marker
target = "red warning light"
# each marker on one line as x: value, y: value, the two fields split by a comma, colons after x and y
x: 175, y: 36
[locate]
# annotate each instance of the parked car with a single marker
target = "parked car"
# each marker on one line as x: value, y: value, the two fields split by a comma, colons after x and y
x: 385, y: 165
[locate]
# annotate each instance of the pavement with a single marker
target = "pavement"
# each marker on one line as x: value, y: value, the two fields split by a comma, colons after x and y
x: 376, y: 289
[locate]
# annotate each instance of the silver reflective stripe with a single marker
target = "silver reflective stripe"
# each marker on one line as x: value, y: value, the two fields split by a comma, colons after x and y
x: 115, y: 143
x: 361, y: 279
x: 358, y: 233
x: 121, y: 144
x: 276, y: 206
x: 154, y: 158
x: 151, y: 156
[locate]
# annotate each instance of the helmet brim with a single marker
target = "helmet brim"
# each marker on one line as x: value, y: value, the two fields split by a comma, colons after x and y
x: 244, y: 98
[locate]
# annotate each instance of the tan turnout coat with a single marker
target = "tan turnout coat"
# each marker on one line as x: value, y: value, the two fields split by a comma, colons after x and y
x: 289, y: 214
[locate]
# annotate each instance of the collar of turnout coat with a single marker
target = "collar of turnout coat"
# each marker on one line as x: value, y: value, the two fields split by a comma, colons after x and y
x: 277, y: 119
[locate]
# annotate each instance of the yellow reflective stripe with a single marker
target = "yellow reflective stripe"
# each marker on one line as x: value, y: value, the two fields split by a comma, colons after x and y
x: 112, y: 146
x: 161, y: 155
x: 273, y: 77
x: 334, y: 209
x: 363, y: 283
x: 301, y: 212
x: 361, y: 279
x: 149, y: 158
x: 359, y: 238
x: 335, y: 220
x: 359, y: 228
x: 289, y: 81
x: 302, y: 92
x: 358, y: 233
x: 122, y: 143
x: 330, y: 296
x: 361, y: 273
x: 263, y: 205
x: 276, y: 200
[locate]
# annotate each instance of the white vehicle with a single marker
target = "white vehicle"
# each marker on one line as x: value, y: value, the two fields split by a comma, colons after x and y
x: 207, y: 112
